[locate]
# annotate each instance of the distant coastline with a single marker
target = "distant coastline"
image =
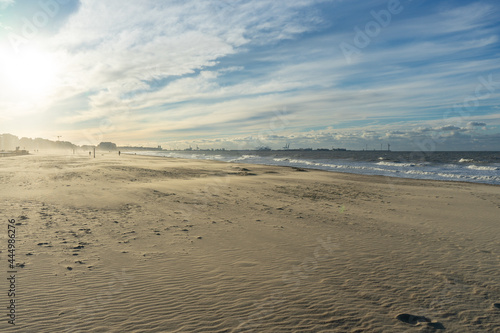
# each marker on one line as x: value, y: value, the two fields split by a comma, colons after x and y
x: 17, y: 152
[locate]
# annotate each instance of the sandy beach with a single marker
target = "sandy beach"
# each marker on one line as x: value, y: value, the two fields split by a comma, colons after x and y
x: 141, y: 244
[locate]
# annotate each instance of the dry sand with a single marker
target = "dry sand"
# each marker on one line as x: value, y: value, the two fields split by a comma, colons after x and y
x: 143, y: 244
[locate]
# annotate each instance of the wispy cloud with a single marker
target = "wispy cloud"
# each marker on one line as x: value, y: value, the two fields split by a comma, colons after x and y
x: 6, y: 3
x: 213, y: 70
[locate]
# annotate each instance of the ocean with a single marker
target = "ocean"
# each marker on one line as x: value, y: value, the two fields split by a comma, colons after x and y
x: 476, y: 167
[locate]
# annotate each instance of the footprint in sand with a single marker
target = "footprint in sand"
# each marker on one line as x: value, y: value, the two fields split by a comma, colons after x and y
x: 417, y: 320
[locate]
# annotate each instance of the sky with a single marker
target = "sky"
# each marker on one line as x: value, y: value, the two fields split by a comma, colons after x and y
x: 416, y: 74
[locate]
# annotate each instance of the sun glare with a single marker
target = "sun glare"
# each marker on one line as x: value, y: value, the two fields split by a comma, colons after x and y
x: 29, y: 75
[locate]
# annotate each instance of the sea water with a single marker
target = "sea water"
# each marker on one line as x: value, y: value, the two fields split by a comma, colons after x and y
x: 477, y: 167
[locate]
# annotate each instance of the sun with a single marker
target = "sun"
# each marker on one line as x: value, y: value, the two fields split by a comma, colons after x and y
x: 28, y: 75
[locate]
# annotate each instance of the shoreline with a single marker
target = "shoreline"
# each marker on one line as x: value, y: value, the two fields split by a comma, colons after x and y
x: 320, y: 170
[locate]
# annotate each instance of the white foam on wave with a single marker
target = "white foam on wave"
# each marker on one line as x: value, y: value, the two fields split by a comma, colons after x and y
x: 487, y: 179
x: 396, y: 164
x: 244, y: 158
x: 405, y: 170
x: 466, y: 160
x: 482, y: 168
x: 423, y: 170
x: 419, y: 172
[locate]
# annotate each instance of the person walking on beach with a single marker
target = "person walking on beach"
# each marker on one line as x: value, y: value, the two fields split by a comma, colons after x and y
x: 119, y: 153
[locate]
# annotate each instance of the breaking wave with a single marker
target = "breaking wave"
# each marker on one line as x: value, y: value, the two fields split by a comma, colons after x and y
x: 443, y: 168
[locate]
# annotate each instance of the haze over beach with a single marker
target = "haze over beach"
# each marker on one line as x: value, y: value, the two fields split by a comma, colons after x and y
x: 249, y: 166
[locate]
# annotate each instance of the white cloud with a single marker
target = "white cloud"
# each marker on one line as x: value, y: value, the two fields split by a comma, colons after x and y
x: 465, y: 18
x: 163, y: 70
x: 6, y: 3
x: 111, y: 49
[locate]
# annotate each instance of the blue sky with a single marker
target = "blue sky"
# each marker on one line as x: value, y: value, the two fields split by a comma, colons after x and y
x: 420, y: 75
